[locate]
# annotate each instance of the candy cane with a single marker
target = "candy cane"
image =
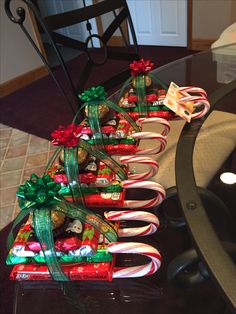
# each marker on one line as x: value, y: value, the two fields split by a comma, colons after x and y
x: 162, y: 121
x: 135, y: 248
x: 193, y: 89
x: 134, y: 215
x: 150, y: 185
x: 198, y: 101
x: 150, y: 135
x: 141, y: 160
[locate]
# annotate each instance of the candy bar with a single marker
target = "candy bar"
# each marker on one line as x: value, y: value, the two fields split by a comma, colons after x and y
x: 75, y: 271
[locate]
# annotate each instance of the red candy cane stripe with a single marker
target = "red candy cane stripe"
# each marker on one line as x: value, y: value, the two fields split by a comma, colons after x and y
x: 134, y: 215
x: 135, y: 248
x: 161, y: 121
x: 141, y: 160
x: 193, y: 89
x: 150, y: 185
x: 150, y: 135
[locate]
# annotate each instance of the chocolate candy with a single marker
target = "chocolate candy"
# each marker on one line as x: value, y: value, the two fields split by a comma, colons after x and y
x: 148, y: 81
x: 83, y: 158
x: 57, y: 218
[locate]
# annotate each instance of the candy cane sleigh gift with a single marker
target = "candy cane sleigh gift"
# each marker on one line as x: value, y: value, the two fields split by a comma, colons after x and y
x: 98, y: 266
x: 110, y: 189
x: 109, y: 127
x: 141, y: 96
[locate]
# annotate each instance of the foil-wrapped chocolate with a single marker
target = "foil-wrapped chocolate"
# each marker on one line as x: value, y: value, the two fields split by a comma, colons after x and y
x: 148, y: 81
x: 104, y: 112
x: 57, y: 219
x: 83, y: 158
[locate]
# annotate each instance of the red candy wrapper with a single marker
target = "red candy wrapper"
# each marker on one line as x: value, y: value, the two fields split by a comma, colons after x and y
x: 89, y: 243
x: 74, y: 271
x: 121, y: 149
x: 105, y: 199
x: 67, y: 244
x: 107, y: 129
x: 123, y: 129
x: 105, y: 175
x: 168, y: 115
x: 88, y: 177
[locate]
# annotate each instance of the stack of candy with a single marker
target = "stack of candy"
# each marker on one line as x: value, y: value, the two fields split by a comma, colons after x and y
x: 145, y: 95
x: 69, y: 235
x: 62, y: 238
x: 84, y: 253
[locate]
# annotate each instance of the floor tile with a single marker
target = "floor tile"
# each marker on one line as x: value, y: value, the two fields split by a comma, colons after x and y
x: 10, y: 179
x: 8, y: 196
x: 12, y: 164
x: 37, y: 146
x: 19, y: 138
x: 4, y: 142
x: 21, y: 154
x: 39, y: 171
x: 36, y: 160
x: 5, y: 133
x: 16, y: 151
x: 2, y: 153
x: 6, y: 213
x: 3, y: 126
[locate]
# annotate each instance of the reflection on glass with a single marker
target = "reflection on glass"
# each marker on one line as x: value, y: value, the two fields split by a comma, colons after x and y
x: 228, y: 178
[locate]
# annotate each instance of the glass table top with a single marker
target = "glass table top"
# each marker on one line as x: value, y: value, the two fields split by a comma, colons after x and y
x: 215, y: 140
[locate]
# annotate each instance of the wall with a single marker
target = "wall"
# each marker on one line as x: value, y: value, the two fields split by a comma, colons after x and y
x: 209, y: 19
x: 16, y: 53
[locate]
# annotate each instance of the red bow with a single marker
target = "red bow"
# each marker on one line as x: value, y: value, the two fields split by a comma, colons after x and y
x: 66, y: 136
x: 141, y: 67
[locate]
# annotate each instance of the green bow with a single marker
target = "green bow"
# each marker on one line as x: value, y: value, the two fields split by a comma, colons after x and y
x: 93, y: 93
x: 40, y: 196
x: 40, y: 191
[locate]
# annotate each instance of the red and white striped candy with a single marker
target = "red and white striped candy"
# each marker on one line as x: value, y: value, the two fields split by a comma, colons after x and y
x: 193, y: 89
x: 134, y: 215
x: 197, y: 100
x: 141, y: 160
x: 161, y: 121
x: 135, y: 248
x: 150, y: 185
x: 150, y: 136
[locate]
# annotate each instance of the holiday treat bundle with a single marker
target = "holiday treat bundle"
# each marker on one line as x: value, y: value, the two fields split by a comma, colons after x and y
x: 68, y: 230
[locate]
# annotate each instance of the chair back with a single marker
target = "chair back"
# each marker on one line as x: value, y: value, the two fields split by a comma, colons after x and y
x: 93, y: 56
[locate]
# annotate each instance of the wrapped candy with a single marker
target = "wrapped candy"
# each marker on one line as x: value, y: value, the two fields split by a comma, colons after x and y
x: 103, y: 260
x: 39, y: 196
x: 145, y: 95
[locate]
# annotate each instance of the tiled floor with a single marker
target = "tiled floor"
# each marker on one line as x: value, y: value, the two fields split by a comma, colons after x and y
x: 20, y: 155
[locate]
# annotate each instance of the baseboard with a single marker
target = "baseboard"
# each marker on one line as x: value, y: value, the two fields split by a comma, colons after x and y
x: 21, y: 81
x: 202, y: 43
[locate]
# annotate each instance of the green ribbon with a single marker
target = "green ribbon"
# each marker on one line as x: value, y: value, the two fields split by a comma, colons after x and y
x: 40, y: 196
x: 141, y: 93
x: 71, y: 167
x: 93, y: 97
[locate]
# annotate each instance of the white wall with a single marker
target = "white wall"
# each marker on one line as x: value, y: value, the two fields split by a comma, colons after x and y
x: 17, y: 56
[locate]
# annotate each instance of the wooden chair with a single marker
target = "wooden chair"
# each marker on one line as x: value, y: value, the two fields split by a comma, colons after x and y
x: 49, y: 25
